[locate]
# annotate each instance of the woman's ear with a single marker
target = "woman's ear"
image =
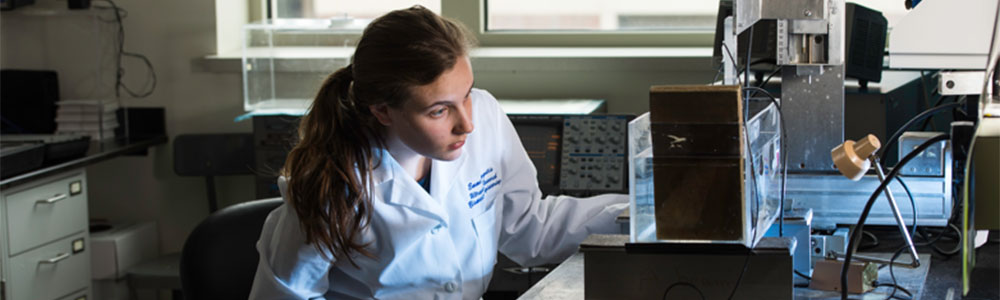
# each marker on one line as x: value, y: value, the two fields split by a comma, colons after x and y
x: 381, y: 112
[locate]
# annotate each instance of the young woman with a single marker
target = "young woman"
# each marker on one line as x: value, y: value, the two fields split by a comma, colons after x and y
x: 407, y: 180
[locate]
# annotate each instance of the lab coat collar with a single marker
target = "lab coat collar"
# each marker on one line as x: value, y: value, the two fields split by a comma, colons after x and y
x: 443, y: 174
x: 399, y: 188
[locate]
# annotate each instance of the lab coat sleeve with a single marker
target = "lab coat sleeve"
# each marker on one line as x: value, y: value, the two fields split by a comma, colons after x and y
x: 536, y: 231
x: 288, y: 267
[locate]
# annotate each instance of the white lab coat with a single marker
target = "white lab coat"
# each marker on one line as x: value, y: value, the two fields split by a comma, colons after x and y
x: 442, y: 245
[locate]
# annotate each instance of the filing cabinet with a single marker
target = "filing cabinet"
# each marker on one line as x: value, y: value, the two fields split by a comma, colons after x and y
x: 44, y: 241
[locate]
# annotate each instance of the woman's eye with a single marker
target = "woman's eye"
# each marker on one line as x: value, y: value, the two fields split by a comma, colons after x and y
x: 438, y: 112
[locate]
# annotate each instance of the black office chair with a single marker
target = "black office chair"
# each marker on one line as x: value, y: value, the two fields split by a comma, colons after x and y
x: 220, y: 258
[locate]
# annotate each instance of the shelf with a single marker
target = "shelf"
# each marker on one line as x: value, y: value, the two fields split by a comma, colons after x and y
x: 56, y: 9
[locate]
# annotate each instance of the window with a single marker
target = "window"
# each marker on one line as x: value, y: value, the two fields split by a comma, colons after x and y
x: 601, y: 15
x: 549, y: 23
x: 343, y: 9
x: 537, y: 23
x: 631, y: 24
x: 624, y: 15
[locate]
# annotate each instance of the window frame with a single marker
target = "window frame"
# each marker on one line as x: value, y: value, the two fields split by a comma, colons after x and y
x: 473, y: 14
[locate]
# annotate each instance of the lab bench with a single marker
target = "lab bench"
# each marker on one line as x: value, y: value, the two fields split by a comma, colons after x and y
x: 938, y: 277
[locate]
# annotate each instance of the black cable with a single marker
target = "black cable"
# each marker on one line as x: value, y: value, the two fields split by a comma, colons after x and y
x: 954, y: 191
x: 892, y: 139
x: 874, y: 240
x: 807, y: 277
x: 746, y: 262
x: 719, y: 72
x: 928, y: 239
x: 961, y: 110
x: 679, y: 283
x: 119, y: 71
x: 932, y: 241
x: 764, y: 82
x: 958, y: 244
x: 763, y: 60
x: 123, y: 11
x: 733, y: 59
x: 768, y: 77
x: 152, y: 74
x: 855, y: 234
x: 928, y: 121
x: 895, y: 284
x: 915, y: 230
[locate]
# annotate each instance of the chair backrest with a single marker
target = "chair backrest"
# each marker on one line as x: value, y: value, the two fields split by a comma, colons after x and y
x: 213, y: 154
x: 220, y: 258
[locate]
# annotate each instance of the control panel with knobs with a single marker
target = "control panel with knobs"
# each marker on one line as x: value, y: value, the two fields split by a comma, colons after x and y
x: 593, y: 153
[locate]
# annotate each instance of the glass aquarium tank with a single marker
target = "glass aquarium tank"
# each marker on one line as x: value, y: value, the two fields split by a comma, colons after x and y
x: 711, y: 176
x: 286, y: 60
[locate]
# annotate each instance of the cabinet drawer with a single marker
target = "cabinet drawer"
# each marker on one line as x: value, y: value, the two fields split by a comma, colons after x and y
x: 51, y: 271
x: 46, y: 211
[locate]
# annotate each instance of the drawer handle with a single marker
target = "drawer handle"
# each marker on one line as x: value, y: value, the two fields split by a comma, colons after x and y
x: 56, y: 259
x: 54, y: 199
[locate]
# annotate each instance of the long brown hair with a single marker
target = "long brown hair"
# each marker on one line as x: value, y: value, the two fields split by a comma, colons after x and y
x: 328, y: 170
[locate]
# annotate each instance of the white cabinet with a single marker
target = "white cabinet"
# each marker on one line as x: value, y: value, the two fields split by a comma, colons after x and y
x: 44, y: 239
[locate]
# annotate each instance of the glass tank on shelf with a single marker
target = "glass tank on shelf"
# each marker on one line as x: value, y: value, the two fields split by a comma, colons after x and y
x: 286, y: 60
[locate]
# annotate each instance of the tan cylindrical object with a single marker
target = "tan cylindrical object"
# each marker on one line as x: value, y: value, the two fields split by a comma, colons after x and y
x: 851, y: 158
x: 867, y: 145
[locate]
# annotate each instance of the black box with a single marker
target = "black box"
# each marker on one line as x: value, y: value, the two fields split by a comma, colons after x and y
x: 140, y: 123
x: 78, y: 4
x: 28, y: 101
x: 866, y: 31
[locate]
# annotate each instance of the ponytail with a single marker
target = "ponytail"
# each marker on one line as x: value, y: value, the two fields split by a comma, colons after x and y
x: 320, y: 167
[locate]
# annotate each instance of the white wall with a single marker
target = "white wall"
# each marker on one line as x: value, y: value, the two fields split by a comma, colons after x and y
x: 175, y: 35
x: 172, y: 34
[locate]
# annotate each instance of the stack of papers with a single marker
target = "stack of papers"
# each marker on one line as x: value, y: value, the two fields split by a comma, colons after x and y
x: 94, y: 118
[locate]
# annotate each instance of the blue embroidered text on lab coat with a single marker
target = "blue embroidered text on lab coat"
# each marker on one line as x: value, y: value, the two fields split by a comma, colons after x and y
x: 484, y: 185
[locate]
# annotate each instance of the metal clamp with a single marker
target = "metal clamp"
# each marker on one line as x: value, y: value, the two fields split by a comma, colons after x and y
x: 54, y: 199
x: 56, y: 259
